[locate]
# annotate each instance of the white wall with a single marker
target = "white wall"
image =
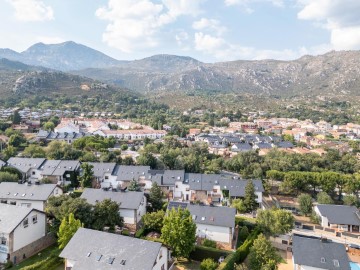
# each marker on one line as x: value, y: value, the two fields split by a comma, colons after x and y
x: 128, y: 215
x: 259, y: 197
x: 161, y: 259
x: 24, y: 236
x: 39, y: 205
x: 4, y: 248
x: 324, y: 220
x: 141, y: 210
x: 215, y: 233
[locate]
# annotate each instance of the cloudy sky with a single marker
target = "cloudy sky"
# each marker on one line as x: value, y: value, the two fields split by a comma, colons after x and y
x: 209, y: 30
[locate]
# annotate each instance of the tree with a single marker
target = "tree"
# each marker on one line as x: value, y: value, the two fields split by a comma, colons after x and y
x: 154, y: 221
x: 9, y: 151
x: 239, y: 205
x: 127, y: 161
x: 8, y: 177
x: 263, y: 255
x: 68, y: 227
x: 134, y: 186
x: 324, y: 198
x: 156, y: 197
x: 250, y: 202
x: 350, y: 200
x: 87, y: 175
x: 34, y: 151
x: 106, y: 213
x: 49, y: 126
x: 147, y: 159
x: 16, y: 139
x: 208, y: 264
x: 179, y: 232
x: 16, y: 118
x: 305, y: 203
x: 275, y: 221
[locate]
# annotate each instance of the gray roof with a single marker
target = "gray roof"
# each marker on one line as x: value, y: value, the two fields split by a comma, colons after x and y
x: 264, y: 145
x: 2, y: 163
x: 66, y: 166
x: 211, y: 215
x: 309, y: 252
x: 11, y: 216
x: 25, y: 164
x: 240, y: 147
x: 101, y: 168
x: 87, y: 245
x: 236, y: 187
x: 128, y: 173
x: 17, y: 191
x: 285, y: 144
x: 49, y: 167
x: 127, y: 200
x: 340, y: 214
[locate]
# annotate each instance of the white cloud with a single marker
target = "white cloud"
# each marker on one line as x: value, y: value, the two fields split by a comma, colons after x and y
x: 32, y: 10
x: 209, y: 24
x: 182, y: 39
x: 136, y: 24
x: 340, y: 17
x: 247, y: 3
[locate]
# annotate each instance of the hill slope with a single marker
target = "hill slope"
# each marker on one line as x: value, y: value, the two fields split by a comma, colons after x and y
x: 64, y: 56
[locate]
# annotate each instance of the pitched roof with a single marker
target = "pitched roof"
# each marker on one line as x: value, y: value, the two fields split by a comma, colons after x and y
x: 127, y: 200
x: 127, y: 173
x: 211, y: 215
x: 100, y: 168
x: 11, y: 216
x: 17, y: 191
x: 86, y: 246
x: 66, y: 166
x: 319, y: 254
x: 25, y: 164
x: 340, y: 214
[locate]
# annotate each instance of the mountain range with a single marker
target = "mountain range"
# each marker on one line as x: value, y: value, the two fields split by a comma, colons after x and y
x: 331, y: 74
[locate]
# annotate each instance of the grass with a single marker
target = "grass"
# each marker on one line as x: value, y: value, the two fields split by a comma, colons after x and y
x: 43, y: 255
x: 186, y: 265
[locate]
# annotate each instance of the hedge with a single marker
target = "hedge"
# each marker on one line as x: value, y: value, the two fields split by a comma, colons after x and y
x: 200, y: 253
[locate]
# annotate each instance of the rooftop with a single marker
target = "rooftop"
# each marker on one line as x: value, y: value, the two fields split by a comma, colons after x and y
x: 340, y: 214
x: 10, y: 190
x: 93, y: 250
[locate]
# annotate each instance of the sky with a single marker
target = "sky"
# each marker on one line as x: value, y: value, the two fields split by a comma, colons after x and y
x: 208, y: 30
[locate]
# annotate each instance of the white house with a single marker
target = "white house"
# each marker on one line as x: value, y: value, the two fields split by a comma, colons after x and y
x: 132, y: 203
x: 28, y: 195
x: 29, y: 167
x: 214, y: 223
x: 20, y: 229
x: 94, y: 250
x: 318, y: 254
x: 339, y: 217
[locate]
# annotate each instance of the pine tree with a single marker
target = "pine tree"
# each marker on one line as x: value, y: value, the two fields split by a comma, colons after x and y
x: 250, y: 202
x: 156, y: 197
x: 87, y: 175
x: 134, y: 186
x: 68, y: 227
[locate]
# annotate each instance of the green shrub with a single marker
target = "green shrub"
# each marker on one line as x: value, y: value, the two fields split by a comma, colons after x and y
x: 201, y: 253
x: 209, y: 243
x: 8, y: 264
x: 208, y: 264
x: 243, y: 234
x: 140, y: 233
x: 125, y: 232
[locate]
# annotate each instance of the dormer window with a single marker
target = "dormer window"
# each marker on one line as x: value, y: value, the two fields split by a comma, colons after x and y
x: 323, y: 260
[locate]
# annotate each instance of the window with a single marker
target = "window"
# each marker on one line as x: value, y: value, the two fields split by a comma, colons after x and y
x: 26, y: 223
x: 3, y: 201
x: 33, y: 173
x: 106, y: 177
x: 3, y: 241
x: 34, y: 219
x: 28, y: 205
x: 13, y: 203
x: 163, y: 267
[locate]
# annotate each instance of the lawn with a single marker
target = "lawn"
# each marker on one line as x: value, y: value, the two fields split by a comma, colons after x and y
x: 186, y: 265
x: 39, y: 257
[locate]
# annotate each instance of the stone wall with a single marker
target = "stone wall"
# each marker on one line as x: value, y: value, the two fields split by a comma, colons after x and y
x: 33, y: 248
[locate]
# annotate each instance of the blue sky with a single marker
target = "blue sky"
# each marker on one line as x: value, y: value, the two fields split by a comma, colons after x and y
x: 209, y: 30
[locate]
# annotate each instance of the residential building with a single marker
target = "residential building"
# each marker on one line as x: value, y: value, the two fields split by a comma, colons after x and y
x: 213, y: 223
x: 132, y: 203
x: 28, y: 195
x: 21, y: 232
x: 59, y: 171
x: 29, y: 167
x: 339, y: 217
x: 318, y: 254
x: 93, y: 250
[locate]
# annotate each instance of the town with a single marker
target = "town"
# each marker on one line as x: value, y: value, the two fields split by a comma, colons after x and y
x: 81, y: 188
